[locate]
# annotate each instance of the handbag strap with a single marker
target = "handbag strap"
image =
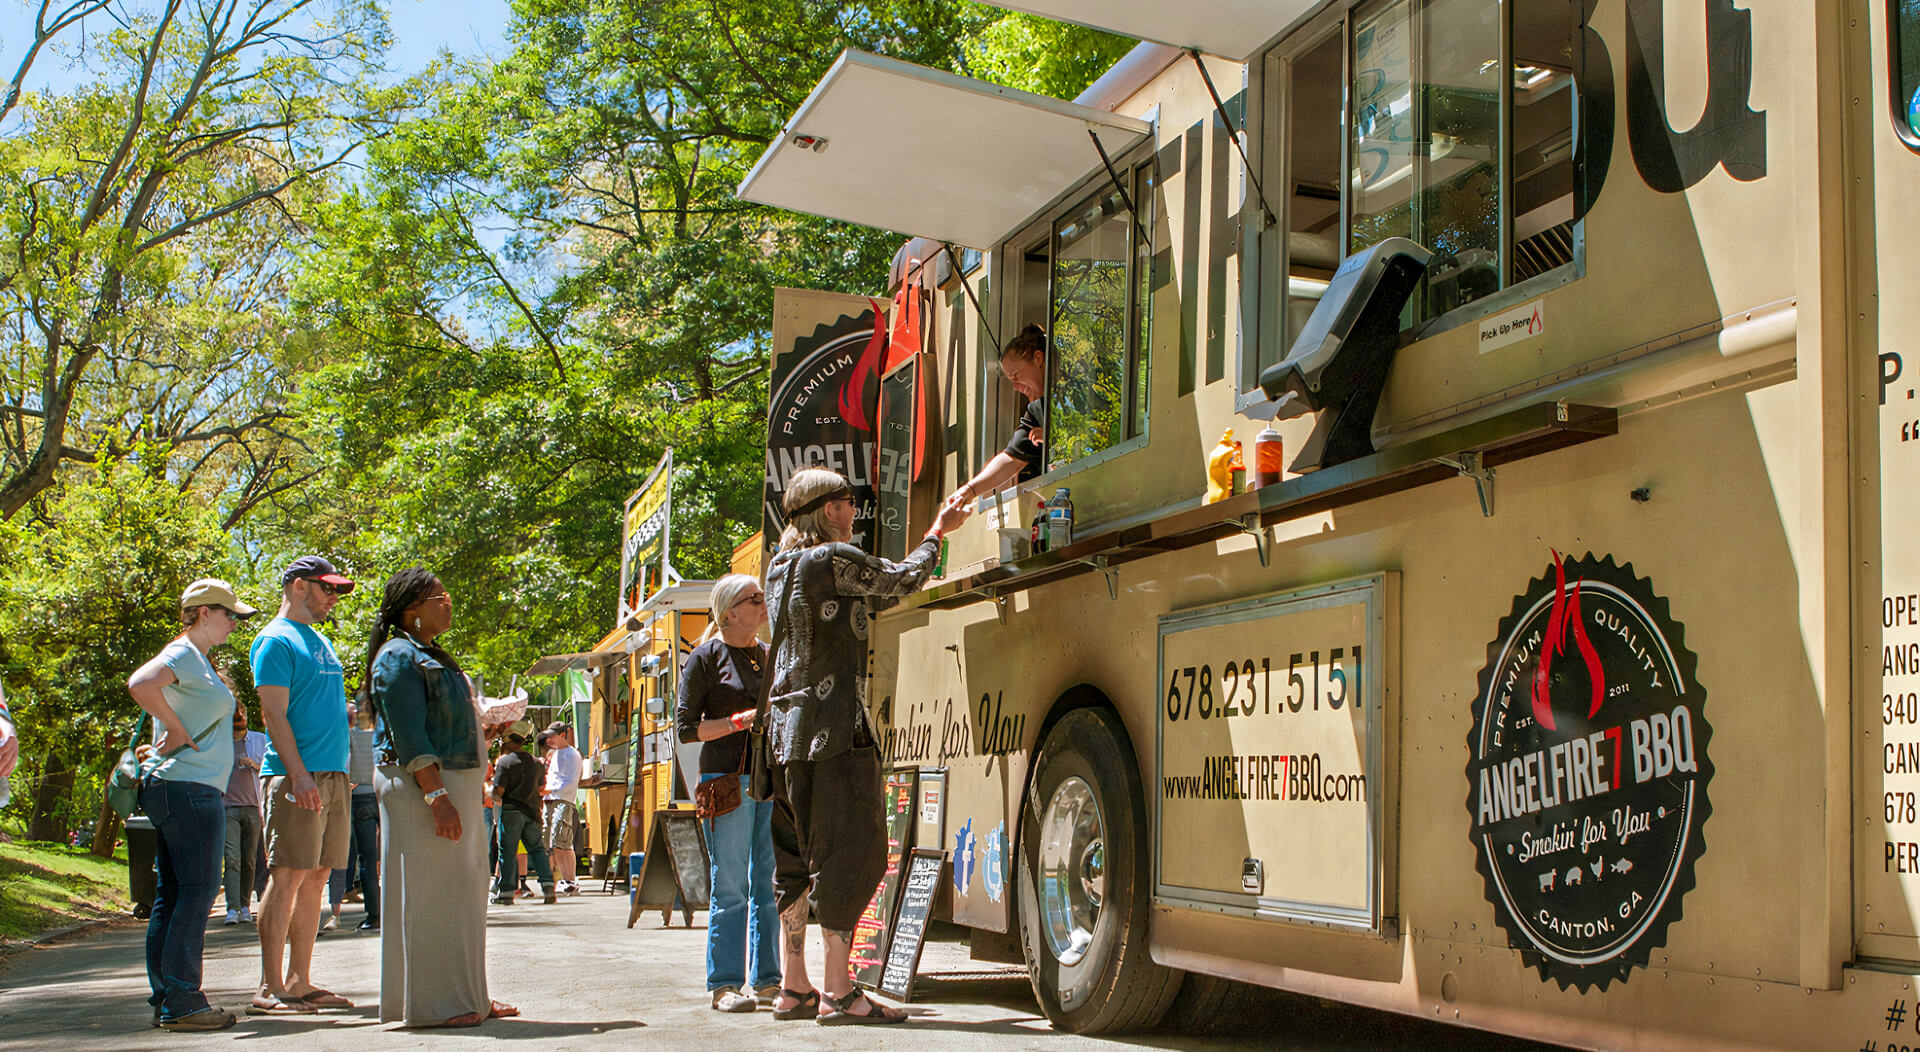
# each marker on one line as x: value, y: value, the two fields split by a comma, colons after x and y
x: 773, y: 652
x: 139, y: 729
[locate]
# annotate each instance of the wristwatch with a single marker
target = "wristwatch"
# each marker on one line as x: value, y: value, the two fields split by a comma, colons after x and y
x: 435, y: 795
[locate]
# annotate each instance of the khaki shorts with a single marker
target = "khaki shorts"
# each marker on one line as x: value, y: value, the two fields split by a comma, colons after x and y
x: 557, y: 826
x: 301, y: 839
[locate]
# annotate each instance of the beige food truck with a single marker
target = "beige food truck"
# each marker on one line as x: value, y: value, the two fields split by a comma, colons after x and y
x: 1564, y: 685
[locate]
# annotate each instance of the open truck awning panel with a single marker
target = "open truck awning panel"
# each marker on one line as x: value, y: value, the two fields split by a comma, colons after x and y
x: 920, y: 151
x: 1229, y: 28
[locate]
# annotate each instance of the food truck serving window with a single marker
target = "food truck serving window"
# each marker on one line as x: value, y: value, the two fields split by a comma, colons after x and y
x: 1084, y: 277
x: 1435, y: 144
x: 1903, y: 62
x: 1098, y: 373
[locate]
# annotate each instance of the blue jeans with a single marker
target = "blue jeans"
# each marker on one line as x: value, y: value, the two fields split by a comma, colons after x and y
x: 742, y: 914
x: 363, y: 853
x: 190, y: 823
x: 517, y: 829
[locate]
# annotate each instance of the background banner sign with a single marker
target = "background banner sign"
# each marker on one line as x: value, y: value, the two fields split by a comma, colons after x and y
x: 1587, y: 772
x: 823, y: 397
x: 644, y: 535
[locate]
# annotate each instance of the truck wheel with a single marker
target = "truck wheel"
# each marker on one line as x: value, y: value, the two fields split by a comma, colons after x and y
x: 1208, y: 1004
x: 1083, y: 883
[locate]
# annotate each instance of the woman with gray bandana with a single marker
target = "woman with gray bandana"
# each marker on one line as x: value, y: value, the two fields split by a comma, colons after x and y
x: 829, y: 819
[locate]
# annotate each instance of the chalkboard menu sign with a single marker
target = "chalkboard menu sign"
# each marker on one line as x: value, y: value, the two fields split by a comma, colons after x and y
x: 917, y: 891
x: 870, y: 931
x: 675, y: 870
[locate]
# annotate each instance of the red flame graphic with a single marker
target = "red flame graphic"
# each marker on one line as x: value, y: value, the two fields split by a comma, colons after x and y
x: 853, y: 404
x: 1565, y: 620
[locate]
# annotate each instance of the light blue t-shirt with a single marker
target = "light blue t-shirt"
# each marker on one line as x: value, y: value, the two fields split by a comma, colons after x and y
x: 292, y: 655
x: 203, y: 704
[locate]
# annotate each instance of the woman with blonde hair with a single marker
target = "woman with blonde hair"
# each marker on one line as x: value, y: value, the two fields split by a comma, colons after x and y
x: 719, y: 693
x: 829, y: 820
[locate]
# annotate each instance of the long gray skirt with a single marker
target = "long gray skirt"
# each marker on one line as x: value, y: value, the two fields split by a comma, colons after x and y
x: 433, y: 902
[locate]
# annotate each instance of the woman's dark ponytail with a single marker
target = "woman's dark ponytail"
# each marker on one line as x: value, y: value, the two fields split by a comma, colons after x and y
x: 402, y: 590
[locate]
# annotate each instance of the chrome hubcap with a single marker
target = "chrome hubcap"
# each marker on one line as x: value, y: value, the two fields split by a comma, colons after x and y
x: 1072, y: 869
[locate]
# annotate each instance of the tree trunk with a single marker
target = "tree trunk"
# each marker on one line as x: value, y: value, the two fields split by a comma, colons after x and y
x: 49, y: 818
x: 106, y: 829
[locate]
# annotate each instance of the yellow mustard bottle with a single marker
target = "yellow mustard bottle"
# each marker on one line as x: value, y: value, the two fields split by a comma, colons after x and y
x: 1221, y: 464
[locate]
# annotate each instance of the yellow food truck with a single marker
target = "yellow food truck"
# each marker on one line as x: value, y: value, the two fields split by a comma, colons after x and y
x: 1561, y: 681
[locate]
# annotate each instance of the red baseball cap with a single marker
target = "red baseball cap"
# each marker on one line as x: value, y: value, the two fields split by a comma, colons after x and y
x: 315, y: 568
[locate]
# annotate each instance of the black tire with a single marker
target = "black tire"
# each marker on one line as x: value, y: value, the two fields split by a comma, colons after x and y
x: 1103, y: 981
x: 1208, y: 1004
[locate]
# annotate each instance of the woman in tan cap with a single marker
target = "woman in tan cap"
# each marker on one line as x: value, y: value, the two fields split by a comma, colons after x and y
x: 181, y: 792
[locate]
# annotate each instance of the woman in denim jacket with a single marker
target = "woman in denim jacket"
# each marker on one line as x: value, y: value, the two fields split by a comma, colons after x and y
x: 432, y: 762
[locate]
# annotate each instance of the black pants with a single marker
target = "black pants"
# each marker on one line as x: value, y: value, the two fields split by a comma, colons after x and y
x: 830, y: 834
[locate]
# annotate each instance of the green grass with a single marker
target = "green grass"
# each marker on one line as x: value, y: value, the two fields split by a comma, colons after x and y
x: 45, y: 886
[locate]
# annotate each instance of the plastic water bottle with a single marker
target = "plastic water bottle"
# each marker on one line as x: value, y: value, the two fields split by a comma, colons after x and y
x: 1060, y: 519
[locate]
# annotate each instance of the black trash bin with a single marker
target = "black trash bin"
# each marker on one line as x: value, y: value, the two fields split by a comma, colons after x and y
x: 143, y: 845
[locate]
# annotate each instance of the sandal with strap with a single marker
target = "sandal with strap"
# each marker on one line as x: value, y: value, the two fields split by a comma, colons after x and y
x: 806, y: 1006
x: 843, y: 1014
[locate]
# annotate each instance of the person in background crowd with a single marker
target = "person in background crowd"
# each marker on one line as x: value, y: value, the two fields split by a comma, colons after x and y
x: 303, y: 702
x: 431, y: 756
x: 493, y: 825
x: 9, y: 741
x: 1024, y: 362
x: 563, y: 784
x: 517, y: 778
x: 829, y: 819
x: 363, y: 846
x: 242, y: 800
x: 719, y: 694
x: 181, y: 794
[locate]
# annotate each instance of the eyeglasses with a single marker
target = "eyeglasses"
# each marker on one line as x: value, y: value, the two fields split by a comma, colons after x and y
x: 437, y: 595
x: 330, y: 589
x: 757, y: 599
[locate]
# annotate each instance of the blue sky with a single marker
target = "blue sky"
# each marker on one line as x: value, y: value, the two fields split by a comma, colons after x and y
x: 421, y: 28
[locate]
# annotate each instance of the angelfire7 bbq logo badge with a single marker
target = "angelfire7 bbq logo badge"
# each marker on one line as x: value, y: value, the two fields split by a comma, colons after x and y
x: 1588, y: 771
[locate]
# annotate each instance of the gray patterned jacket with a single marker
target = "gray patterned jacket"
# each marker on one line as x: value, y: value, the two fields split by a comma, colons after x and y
x: 817, y: 705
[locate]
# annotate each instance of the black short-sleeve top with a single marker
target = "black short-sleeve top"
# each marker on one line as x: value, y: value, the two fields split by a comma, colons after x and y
x: 716, y: 681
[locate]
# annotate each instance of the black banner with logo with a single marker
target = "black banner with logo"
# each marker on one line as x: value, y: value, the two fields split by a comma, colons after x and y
x: 823, y: 397
x: 1587, y: 772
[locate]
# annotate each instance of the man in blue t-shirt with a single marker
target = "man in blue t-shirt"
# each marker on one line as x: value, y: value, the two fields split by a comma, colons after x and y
x: 303, y: 701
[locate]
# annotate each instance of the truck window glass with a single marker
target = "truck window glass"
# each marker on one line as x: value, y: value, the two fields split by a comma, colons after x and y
x: 1425, y: 153
x: 1903, y: 61
x: 1384, y: 129
x: 1542, y: 154
x: 1000, y: 405
x: 1145, y: 187
x: 1314, y: 98
x: 1457, y: 214
x: 1092, y: 248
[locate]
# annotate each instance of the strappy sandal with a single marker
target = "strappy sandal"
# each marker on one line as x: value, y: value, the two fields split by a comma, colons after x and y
x: 843, y: 1014
x: 806, y: 1006
x: 281, y: 1006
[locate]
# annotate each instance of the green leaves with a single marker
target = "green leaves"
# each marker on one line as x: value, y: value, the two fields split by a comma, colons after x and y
x: 89, y: 590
